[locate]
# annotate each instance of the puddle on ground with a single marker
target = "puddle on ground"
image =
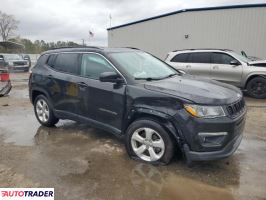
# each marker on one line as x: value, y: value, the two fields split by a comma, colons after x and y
x: 81, y: 162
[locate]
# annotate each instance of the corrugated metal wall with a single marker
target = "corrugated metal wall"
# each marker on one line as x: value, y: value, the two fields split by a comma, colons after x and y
x: 236, y: 29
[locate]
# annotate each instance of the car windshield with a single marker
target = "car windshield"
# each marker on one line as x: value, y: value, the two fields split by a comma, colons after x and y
x: 13, y: 57
x: 142, y: 65
x: 241, y: 57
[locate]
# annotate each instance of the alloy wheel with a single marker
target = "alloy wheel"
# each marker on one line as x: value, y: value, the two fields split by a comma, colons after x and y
x: 147, y: 144
x: 42, y: 110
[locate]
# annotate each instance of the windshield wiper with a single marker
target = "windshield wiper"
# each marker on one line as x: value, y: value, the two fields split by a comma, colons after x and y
x: 147, y: 78
x: 153, y: 79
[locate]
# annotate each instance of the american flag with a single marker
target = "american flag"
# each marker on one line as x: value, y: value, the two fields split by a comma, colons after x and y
x: 91, y: 34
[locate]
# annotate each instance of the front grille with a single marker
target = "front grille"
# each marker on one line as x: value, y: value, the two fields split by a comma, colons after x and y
x: 236, y: 108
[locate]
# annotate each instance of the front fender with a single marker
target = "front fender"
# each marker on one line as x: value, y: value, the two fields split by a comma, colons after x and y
x: 163, y: 118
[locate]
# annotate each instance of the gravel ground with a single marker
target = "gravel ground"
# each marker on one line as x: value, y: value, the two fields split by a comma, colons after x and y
x: 81, y: 162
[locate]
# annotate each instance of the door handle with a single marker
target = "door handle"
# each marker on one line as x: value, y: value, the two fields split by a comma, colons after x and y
x: 215, y: 67
x: 82, y: 84
x: 50, y: 76
x: 188, y: 66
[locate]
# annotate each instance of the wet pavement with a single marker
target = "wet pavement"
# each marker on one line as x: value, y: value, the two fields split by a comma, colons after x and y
x: 81, y: 162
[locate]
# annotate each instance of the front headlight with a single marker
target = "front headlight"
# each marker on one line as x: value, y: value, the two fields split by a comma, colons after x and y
x: 205, y: 111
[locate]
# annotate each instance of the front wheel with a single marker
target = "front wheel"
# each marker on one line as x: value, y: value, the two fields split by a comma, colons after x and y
x: 43, y: 111
x: 149, y: 141
x: 256, y: 88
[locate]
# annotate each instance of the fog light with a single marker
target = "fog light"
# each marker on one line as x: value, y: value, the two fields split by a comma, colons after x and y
x: 212, y: 139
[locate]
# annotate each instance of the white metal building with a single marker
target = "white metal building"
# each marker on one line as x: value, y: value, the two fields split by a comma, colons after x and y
x: 239, y: 27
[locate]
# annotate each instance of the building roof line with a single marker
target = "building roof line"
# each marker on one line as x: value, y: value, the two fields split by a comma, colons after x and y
x: 190, y: 10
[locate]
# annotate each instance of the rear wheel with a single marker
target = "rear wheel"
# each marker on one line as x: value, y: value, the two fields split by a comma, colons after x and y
x: 256, y: 88
x: 148, y: 141
x: 43, y: 111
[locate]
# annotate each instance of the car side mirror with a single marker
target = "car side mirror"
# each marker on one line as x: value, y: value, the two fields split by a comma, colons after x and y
x: 111, y: 77
x: 234, y: 62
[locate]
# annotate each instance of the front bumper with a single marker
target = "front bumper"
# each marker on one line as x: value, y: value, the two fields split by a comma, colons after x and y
x: 228, y: 150
x: 195, y: 149
x: 19, y: 68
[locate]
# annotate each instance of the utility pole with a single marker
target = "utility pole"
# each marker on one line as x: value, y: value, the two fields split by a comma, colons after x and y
x: 110, y: 17
x: 83, y: 42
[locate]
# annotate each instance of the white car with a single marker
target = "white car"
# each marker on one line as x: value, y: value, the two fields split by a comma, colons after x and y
x: 222, y: 65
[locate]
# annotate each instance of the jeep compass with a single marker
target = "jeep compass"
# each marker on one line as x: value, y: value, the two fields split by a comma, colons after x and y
x: 154, y: 107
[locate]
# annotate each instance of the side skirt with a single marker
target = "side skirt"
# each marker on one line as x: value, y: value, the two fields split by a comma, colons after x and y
x: 67, y: 115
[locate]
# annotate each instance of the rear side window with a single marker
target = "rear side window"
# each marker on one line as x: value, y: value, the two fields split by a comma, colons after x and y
x: 199, y: 57
x: 50, y: 60
x: 42, y: 60
x: 67, y: 62
x: 180, y: 58
x: 221, y: 58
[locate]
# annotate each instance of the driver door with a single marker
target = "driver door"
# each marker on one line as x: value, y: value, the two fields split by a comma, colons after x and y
x: 226, y: 69
x: 102, y: 102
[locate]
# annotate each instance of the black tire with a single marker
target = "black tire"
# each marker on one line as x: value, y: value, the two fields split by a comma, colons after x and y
x: 256, y: 88
x: 51, y: 119
x: 151, y: 124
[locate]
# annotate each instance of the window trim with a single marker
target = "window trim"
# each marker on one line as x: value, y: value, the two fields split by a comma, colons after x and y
x: 86, y: 52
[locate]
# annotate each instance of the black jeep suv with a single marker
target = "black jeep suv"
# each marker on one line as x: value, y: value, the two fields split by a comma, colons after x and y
x: 133, y: 94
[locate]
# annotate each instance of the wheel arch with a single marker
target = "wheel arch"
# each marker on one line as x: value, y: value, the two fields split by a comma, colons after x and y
x: 252, y: 76
x: 36, y: 92
x: 159, y: 117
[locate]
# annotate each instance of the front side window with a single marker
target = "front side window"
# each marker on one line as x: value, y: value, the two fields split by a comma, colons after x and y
x: 141, y: 65
x: 92, y: 65
x: 199, y: 57
x: 66, y: 62
x: 221, y: 58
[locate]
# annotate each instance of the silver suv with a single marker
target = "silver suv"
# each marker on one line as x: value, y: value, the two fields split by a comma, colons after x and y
x: 222, y: 65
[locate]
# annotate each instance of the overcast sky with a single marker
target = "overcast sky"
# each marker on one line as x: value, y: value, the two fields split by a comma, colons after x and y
x: 71, y: 20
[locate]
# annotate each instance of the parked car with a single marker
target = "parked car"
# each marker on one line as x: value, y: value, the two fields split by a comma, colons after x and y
x: 27, y: 57
x: 16, y: 62
x: 5, y: 83
x: 223, y: 65
x: 136, y: 96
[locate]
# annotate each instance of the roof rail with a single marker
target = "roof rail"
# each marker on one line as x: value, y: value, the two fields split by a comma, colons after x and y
x: 81, y: 46
x: 203, y: 49
x: 132, y: 48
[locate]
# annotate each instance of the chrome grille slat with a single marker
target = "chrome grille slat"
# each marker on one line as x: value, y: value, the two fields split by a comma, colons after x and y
x: 236, y: 108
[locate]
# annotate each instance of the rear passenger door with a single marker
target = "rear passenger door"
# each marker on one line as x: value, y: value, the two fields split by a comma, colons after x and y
x: 223, y: 70
x: 63, y: 84
x: 198, y: 64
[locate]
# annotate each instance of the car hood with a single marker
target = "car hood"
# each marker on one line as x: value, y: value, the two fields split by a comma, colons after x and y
x: 256, y: 62
x: 198, y: 90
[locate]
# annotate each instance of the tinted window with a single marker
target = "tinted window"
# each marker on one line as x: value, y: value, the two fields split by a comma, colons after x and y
x: 180, y: 58
x: 221, y: 58
x: 200, y: 57
x: 67, y: 62
x: 42, y: 59
x: 50, y: 60
x: 92, y: 65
